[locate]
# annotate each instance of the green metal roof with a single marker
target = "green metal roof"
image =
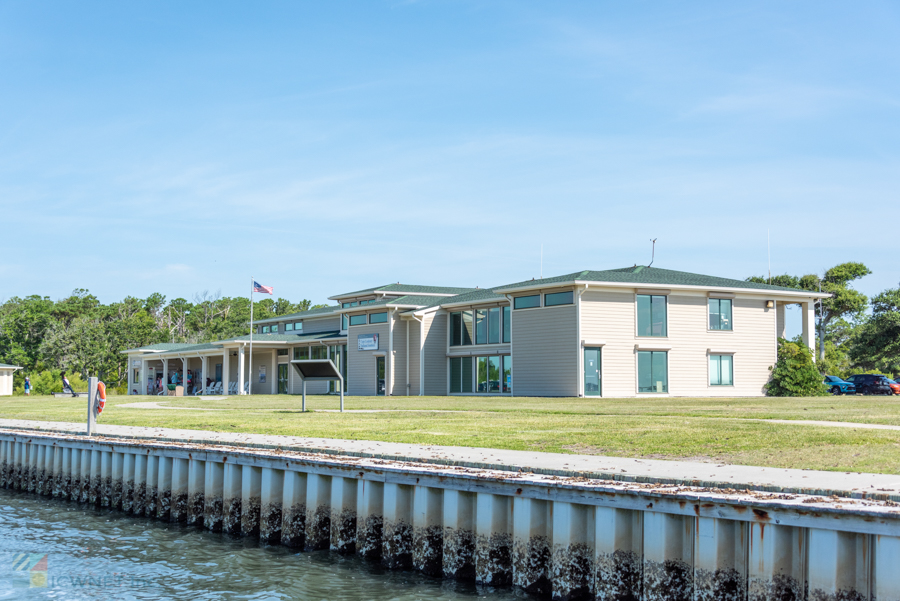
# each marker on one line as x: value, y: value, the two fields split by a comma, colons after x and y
x: 163, y: 347
x: 648, y: 275
x: 401, y: 288
x: 416, y: 300
x: 302, y: 315
x: 8, y: 366
x: 285, y: 337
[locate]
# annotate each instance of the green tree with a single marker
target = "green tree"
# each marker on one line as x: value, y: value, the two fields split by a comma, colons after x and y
x: 844, y: 302
x: 795, y: 372
x: 876, y: 345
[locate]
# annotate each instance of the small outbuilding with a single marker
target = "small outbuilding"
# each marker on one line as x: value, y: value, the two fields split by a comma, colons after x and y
x: 6, y: 378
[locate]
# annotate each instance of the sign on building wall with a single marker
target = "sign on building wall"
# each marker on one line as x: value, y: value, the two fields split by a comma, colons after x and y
x: 262, y: 374
x: 367, y: 342
x: 136, y: 363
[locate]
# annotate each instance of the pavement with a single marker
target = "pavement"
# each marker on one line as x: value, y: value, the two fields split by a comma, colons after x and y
x: 650, y: 471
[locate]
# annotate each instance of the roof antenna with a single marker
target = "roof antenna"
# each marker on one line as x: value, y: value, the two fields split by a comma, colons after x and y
x: 653, y: 254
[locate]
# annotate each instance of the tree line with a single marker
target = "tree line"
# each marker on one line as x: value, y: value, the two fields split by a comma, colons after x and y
x: 81, y: 335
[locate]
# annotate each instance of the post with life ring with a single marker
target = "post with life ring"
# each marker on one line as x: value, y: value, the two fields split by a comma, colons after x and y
x: 96, y: 403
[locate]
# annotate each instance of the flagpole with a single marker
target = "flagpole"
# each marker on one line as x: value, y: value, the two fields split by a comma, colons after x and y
x: 250, y: 364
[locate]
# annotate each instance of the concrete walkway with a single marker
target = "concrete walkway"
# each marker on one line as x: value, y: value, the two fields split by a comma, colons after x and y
x: 731, y: 477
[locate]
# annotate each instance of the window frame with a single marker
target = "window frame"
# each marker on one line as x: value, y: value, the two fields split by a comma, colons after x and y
x: 289, y: 327
x: 638, y: 371
x: 379, y: 314
x: 353, y: 317
x: 265, y: 329
x: 719, y: 362
x: 275, y: 329
x: 637, y: 316
x: 730, y: 312
x: 516, y: 300
x: 570, y: 293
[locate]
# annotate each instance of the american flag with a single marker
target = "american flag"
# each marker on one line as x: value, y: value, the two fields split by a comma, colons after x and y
x: 257, y: 287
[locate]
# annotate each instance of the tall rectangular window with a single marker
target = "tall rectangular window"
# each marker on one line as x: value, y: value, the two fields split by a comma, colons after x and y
x: 301, y: 352
x: 559, y: 298
x: 357, y: 320
x: 653, y: 373
x: 651, y: 313
x: 482, y: 374
x: 720, y: 314
x: 507, y: 373
x: 721, y: 370
x: 298, y: 326
x: 527, y: 302
x: 467, y: 375
x: 494, y: 374
x: 507, y: 328
x: 378, y: 317
x: 468, y: 329
x: 456, y: 329
x: 456, y: 374
x: 494, y: 325
x: 481, y: 326
x: 344, y: 321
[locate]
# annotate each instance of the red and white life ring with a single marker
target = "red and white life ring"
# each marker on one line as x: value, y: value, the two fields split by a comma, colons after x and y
x: 101, y: 395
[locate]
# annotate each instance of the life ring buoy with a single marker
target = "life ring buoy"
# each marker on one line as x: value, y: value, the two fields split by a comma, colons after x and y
x: 101, y: 393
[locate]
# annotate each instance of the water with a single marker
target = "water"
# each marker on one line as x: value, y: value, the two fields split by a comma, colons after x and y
x: 100, y: 554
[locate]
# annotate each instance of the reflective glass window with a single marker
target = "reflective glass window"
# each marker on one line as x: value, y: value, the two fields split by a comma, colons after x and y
x: 455, y: 329
x: 288, y: 327
x: 467, y: 374
x: 357, y: 320
x: 318, y: 352
x: 720, y: 314
x: 481, y: 326
x: 651, y: 314
x: 468, y: 329
x: 344, y: 321
x: 275, y: 328
x: 378, y: 317
x: 482, y: 374
x: 494, y: 374
x: 507, y: 373
x: 456, y: 374
x: 265, y: 329
x: 653, y: 371
x: 301, y: 352
x: 527, y: 302
x: 298, y: 326
x: 507, y: 327
x: 559, y: 298
x: 721, y: 368
x: 494, y: 325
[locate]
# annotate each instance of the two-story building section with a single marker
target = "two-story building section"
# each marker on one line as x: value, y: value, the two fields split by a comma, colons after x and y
x: 635, y: 331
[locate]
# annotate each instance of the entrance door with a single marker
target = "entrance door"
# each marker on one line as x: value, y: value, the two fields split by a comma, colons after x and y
x: 283, y: 378
x: 593, y: 385
x: 379, y: 375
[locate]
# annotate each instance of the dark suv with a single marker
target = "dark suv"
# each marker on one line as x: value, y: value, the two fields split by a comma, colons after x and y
x: 870, y: 384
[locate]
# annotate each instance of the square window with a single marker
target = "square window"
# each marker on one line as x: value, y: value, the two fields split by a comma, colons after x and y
x: 275, y: 329
x: 507, y: 326
x: 265, y: 329
x: 288, y: 327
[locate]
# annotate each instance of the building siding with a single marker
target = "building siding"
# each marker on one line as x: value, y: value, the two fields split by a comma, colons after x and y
x: 361, y: 364
x: 545, y: 359
x: 436, y: 354
x: 414, y: 338
x: 323, y: 324
x: 610, y: 316
x: 398, y: 363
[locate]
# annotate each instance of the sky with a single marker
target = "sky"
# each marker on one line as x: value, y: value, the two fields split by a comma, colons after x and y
x: 325, y: 147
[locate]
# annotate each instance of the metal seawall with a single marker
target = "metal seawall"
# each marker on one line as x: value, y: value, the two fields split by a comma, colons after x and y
x: 559, y: 537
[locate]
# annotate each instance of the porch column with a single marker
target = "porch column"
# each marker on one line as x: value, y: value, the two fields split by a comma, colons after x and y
x: 780, y: 327
x: 144, y: 381
x: 389, y: 367
x: 204, y: 370
x: 226, y: 371
x: 241, y: 379
x: 165, y: 376
x: 274, y: 375
x: 809, y: 325
x: 184, y: 370
x: 130, y: 376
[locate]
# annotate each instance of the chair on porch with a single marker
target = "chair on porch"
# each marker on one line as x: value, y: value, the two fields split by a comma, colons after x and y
x: 246, y: 387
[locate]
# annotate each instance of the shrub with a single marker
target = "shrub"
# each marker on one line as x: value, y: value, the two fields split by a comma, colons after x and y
x: 49, y: 381
x: 795, y: 372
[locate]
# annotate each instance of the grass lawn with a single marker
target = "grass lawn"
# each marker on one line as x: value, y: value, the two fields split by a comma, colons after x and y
x: 720, y: 430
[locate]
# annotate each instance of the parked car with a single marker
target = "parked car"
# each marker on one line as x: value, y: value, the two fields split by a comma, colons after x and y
x: 871, y: 384
x: 837, y: 386
x: 895, y: 386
